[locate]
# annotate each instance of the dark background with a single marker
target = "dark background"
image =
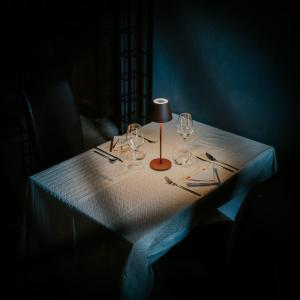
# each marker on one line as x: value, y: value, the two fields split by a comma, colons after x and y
x: 232, y: 64
x: 44, y: 41
x: 60, y: 40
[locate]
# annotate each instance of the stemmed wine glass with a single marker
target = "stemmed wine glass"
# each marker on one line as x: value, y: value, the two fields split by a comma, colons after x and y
x: 185, y: 128
x: 135, y: 140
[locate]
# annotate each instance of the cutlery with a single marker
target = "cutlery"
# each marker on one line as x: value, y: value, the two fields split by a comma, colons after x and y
x: 114, y: 145
x: 212, y: 158
x: 201, y: 183
x: 169, y: 181
x: 214, y: 163
x: 148, y: 140
x: 199, y: 180
x: 111, y: 144
x: 111, y: 160
x: 217, y: 175
x: 116, y: 157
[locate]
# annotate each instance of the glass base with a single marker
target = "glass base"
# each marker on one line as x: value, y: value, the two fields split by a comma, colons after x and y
x: 182, y: 154
x: 139, y: 154
x: 134, y: 165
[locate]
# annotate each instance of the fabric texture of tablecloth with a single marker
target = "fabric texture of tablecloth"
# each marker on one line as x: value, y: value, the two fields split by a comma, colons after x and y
x: 139, y: 206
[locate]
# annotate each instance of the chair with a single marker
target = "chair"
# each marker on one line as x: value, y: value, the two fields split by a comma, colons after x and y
x: 240, y: 260
x: 55, y: 122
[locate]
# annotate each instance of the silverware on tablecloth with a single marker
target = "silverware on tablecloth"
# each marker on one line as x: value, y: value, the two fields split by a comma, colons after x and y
x: 215, y: 170
x: 111, y: 159
x: 116, y: 157
x: 204, y: 184
x: 111, y: 144
x: 199, y: 180
x: 192, y: 182
x: 149, y: 140
x: 214, y: 163
x: 212, y: 158
x: 115, y: 144
x: 169, y: 181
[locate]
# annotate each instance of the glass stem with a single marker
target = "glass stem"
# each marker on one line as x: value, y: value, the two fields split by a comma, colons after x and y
x: 133, y: 154
x: 186, y: 149
x: 185, y: 144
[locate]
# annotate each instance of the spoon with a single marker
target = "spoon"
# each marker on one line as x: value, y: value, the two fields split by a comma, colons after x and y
x: 212, y: 158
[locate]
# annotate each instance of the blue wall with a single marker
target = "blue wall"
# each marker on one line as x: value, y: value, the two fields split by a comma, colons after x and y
x: 233, y: 66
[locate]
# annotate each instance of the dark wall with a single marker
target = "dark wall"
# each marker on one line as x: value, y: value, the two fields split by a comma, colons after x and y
x: 54, y: 40
x: 232, y: 65
x: 44, y: 41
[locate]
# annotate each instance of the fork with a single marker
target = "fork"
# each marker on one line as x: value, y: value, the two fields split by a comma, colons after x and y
x: 169, y: 181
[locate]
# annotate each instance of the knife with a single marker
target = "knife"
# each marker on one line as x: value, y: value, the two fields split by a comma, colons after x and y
x: 195, y: 184
x: 217, y: 175
x: 212, y: 158
x: 98, y: 148
x: 114, y: 145
x: 111, y: 144
x: 214, y: 163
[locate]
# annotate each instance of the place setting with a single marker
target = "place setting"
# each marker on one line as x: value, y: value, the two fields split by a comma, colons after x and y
x: 197, y: 170
x: 198, y: 178
x: 127, y: 148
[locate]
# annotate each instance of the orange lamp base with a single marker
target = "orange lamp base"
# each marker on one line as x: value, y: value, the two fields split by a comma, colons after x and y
x: 164, y: 165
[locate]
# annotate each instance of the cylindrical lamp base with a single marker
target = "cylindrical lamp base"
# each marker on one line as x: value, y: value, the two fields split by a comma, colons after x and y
x: 164, y: 165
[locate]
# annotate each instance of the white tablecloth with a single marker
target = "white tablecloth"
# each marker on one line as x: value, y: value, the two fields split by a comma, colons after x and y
x: 147, y: 214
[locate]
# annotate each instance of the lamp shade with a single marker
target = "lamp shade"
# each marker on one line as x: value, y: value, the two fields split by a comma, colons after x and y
x: 161, y: 110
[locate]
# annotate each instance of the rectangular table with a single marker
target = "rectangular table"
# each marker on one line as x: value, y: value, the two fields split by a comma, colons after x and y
x: 87, y: 196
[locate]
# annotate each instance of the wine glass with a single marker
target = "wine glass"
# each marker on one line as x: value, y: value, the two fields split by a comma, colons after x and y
x: 185, y: 128
x: 135, y: 140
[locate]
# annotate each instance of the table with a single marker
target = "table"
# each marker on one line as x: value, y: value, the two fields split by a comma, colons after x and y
x: 86, y: 196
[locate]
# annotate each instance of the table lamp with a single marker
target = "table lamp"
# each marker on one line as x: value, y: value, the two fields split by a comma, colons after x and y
x: 161, y: 114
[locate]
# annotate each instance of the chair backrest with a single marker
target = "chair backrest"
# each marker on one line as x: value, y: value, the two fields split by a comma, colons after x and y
x: 55, y: 122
